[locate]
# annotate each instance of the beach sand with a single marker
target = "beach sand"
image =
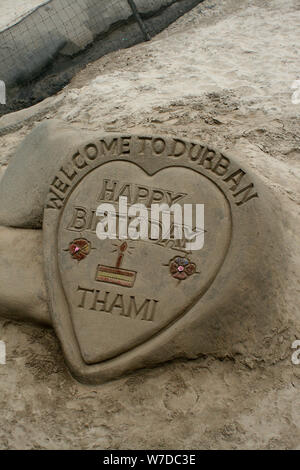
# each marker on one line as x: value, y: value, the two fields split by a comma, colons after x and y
x: 223, y: 73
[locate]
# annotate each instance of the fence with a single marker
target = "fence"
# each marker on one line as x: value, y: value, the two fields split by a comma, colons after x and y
x: 64, y: 28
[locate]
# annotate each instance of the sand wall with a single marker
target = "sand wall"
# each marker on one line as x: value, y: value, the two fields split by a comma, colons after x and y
x: 67, y: 27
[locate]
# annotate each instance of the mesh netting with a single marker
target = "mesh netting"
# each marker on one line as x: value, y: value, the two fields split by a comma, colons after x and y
x: 41, y: 52
x: 67, y: 27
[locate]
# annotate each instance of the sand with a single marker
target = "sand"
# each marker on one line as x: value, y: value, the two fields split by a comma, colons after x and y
x: 223, y: 73
x: 11, y: 11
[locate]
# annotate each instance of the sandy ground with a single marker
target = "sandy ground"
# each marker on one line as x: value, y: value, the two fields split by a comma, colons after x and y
x: 12, y: 11
x: 222, y: 73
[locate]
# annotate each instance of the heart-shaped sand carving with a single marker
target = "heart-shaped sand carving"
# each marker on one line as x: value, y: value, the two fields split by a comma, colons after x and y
x: 120, y: 294
x: 120, y: 305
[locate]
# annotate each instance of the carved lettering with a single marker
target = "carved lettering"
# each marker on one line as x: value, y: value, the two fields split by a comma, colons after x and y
x: 91, y: 151
x: 109, y: 147
x: 236, y: 177
x: 178, y: 148
x: 60, y: 185
x: 146, y: 146
x: 117, y: 304
x: 247, y: 194
x: 79, y: 161
x: 108, y: 192
x: 55, y: 201
x: 222, y: 165
x: 143, y: 147
x: 159, y: 146
x: 79, y: 220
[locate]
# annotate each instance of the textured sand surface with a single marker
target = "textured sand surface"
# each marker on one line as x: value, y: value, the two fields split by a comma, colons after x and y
x: 222, y: 73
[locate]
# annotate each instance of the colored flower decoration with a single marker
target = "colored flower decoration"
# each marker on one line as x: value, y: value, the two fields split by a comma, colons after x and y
x: 79, y: 249
x: 182, y: 268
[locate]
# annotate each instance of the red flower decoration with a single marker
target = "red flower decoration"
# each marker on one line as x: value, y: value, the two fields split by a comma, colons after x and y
x: 182, y: 268
x: 79, y: 249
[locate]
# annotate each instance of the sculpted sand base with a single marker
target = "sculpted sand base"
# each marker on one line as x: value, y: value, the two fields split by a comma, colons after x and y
x: 119, y: 307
